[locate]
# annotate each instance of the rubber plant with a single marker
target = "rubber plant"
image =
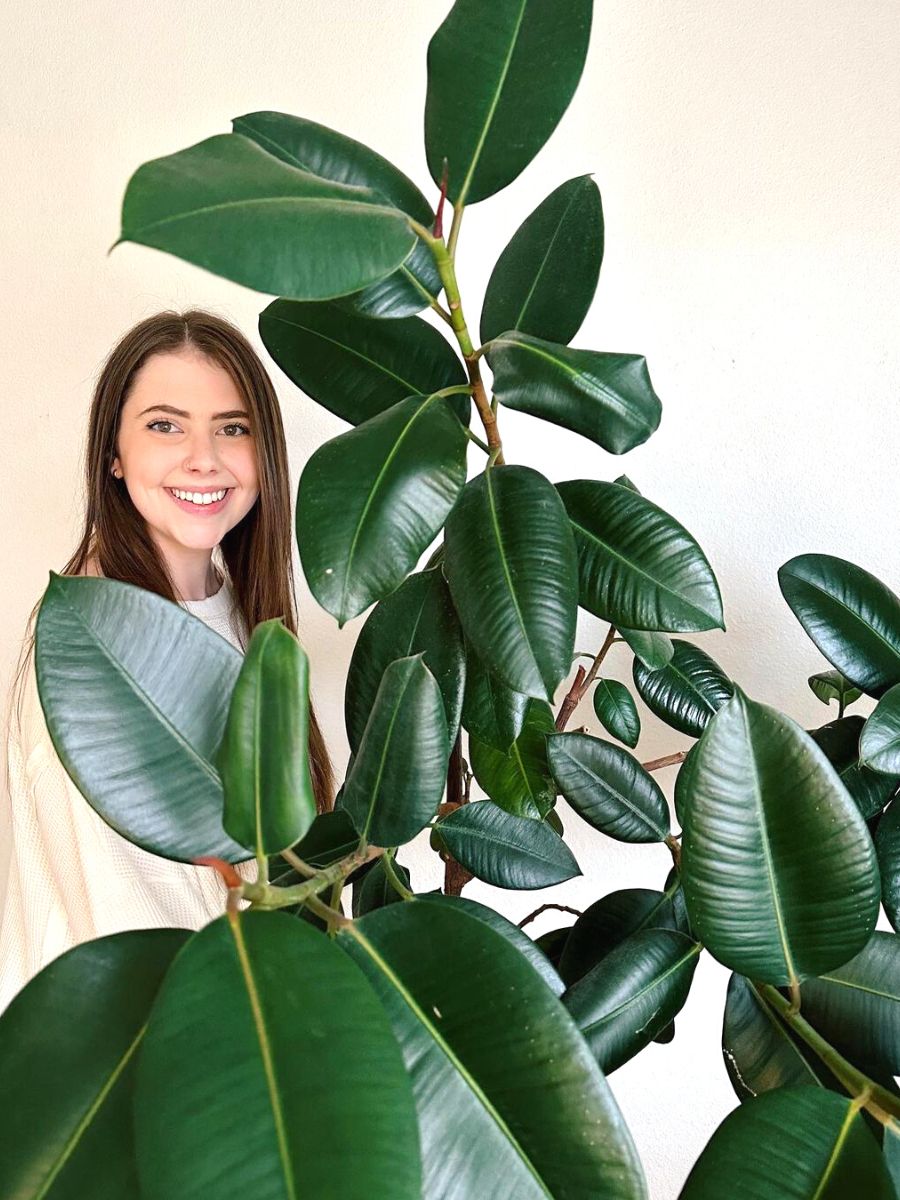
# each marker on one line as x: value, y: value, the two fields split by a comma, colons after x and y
x: 422, y: 1045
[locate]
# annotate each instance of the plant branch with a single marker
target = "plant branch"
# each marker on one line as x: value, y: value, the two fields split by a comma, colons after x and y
x: 394, y: 879
x: 667, y: 760
x: 876, y: 1099
x: 267, y: 896
x: 301, y: 867
x: 546, y: 907
x: 582, y: 682
x: 336, y: 920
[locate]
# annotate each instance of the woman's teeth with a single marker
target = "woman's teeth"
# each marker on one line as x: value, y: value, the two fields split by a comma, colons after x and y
x: 200, y: 497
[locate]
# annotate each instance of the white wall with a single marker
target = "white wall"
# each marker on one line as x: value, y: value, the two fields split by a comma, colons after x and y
x: 748, y: 160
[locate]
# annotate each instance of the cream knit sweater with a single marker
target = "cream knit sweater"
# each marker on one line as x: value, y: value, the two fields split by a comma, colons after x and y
x: 65, y: 875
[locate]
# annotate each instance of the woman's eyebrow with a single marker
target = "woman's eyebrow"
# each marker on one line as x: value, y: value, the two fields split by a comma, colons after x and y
x: 177, y: 412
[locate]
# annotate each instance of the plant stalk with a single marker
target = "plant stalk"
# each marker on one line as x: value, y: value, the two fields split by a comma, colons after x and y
x: 266, y: 896
x: 876, y: 1099
x: 583, y: 682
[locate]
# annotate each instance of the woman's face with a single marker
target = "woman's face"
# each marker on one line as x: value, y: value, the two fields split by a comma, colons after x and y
x: 185, y: 426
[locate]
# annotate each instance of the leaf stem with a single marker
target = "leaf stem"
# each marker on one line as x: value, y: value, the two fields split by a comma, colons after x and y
x: 394, y: 879
x: 876, y: 1099
x: 334, y: 918
x: 667, y: 760
x: 458, y: 210
x: 299, y: 865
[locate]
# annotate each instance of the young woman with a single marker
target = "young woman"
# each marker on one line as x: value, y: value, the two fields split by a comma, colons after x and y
x: 183, y: 409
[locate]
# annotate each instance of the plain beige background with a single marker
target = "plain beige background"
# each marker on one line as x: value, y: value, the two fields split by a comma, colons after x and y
x: 748, y: 159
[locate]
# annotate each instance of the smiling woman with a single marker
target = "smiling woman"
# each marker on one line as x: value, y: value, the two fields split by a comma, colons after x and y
x: 188, y: 496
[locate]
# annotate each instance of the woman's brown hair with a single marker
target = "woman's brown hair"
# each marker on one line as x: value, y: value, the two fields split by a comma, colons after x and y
x: 256, y: 553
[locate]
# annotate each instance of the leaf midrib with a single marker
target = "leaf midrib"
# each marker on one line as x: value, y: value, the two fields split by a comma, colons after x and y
x: 447, y: 1050
x: 644, y: 990
x: 611, y: 791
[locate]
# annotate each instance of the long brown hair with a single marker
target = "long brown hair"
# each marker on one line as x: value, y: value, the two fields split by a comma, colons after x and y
x: 256, y: 553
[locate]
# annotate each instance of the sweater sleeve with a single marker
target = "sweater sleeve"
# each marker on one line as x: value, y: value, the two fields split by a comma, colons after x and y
x: 70, y: 877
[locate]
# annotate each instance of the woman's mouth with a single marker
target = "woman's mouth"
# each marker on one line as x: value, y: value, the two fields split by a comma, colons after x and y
x: 199, y: 502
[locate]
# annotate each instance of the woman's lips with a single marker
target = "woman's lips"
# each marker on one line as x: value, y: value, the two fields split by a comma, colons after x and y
x: 201, y: 510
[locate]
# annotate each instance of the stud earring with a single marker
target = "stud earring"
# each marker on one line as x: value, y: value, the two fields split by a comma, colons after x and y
x: 117, y: 473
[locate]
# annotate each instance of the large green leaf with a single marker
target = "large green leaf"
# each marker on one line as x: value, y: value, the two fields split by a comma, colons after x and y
x: 617, y: 711
x: 418, y: 618
x: 492, y: 713
x: 519, y: 781
x: 798, y: 1143
x: 501, y: 925
x: 852, y: 617
x: 510, y: 1100
x: 887, y: 843
x: 226, y: 205
x: 511, y: 564
x: 135, y: 692
x: 840, y: 741
x: 856, y: 1006
x: 759, y: 1051
x: 397, y: 779
x: 256, y: 1015
x: 490, y: 129
x: 545, y: 279
x: 608, y: 922
x: 375, y: 889
x: 778, y: 867
x: 653, y: 649
x: 687, y: 691
x: 637, y: 566
x: 357, y: 366
x: 608, y: 787
x: 372, y: 499
x: 633, y: 993
x: 332, y: 155
x: 879, y: 744
x: 605, y: 397
x: 264, y: 755
x: 67, y: 1054
x: 507, y: 851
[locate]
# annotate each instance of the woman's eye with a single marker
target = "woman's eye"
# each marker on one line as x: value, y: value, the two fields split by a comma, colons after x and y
x: 243, y: 428
x: 153, y: 424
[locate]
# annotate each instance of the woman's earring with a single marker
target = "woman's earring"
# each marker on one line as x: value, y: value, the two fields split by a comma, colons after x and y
x: 117, y: 473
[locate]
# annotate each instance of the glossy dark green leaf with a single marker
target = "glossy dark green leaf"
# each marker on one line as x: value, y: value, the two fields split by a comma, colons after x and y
x: 608, y: 922
x: 418, y: 618
x: 511, y: 564
x: 653, y: 649
x: 520, y: 780
x: 507, y: 851
x: 331, y: 836
x: 371, y: 500
x: 254, y: 1009
x: 264, y: 755
x: 491, y: 129
x: 226, y: 205
x: 616, y: 711
x: 759, y: 1051
x: 608, y: 787
x: 891, y: 1148
x: 135, y: 692
x: 357, y: 366
x: 552, y: 943
x: 68, y: 1042
x: 375, y: 889
x: 638, y: 566
x: 512, y: 933
x: 879, y: 743
x: 686, y: 692
x: 633, y: 993
x: 544, y: 281
x: 492, y: 713
x: 816, y: 1147
x: 777, y: 865
x: 840, y: 741
x: 856, y: 1006
x: 510, y: 1100
x: 605, y: 397
x: 332, y: 155
x: 887, y: 845
x: 852, y: 617
x: 682, y: 789
x: 397, y: 779
x: 831, y: 685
